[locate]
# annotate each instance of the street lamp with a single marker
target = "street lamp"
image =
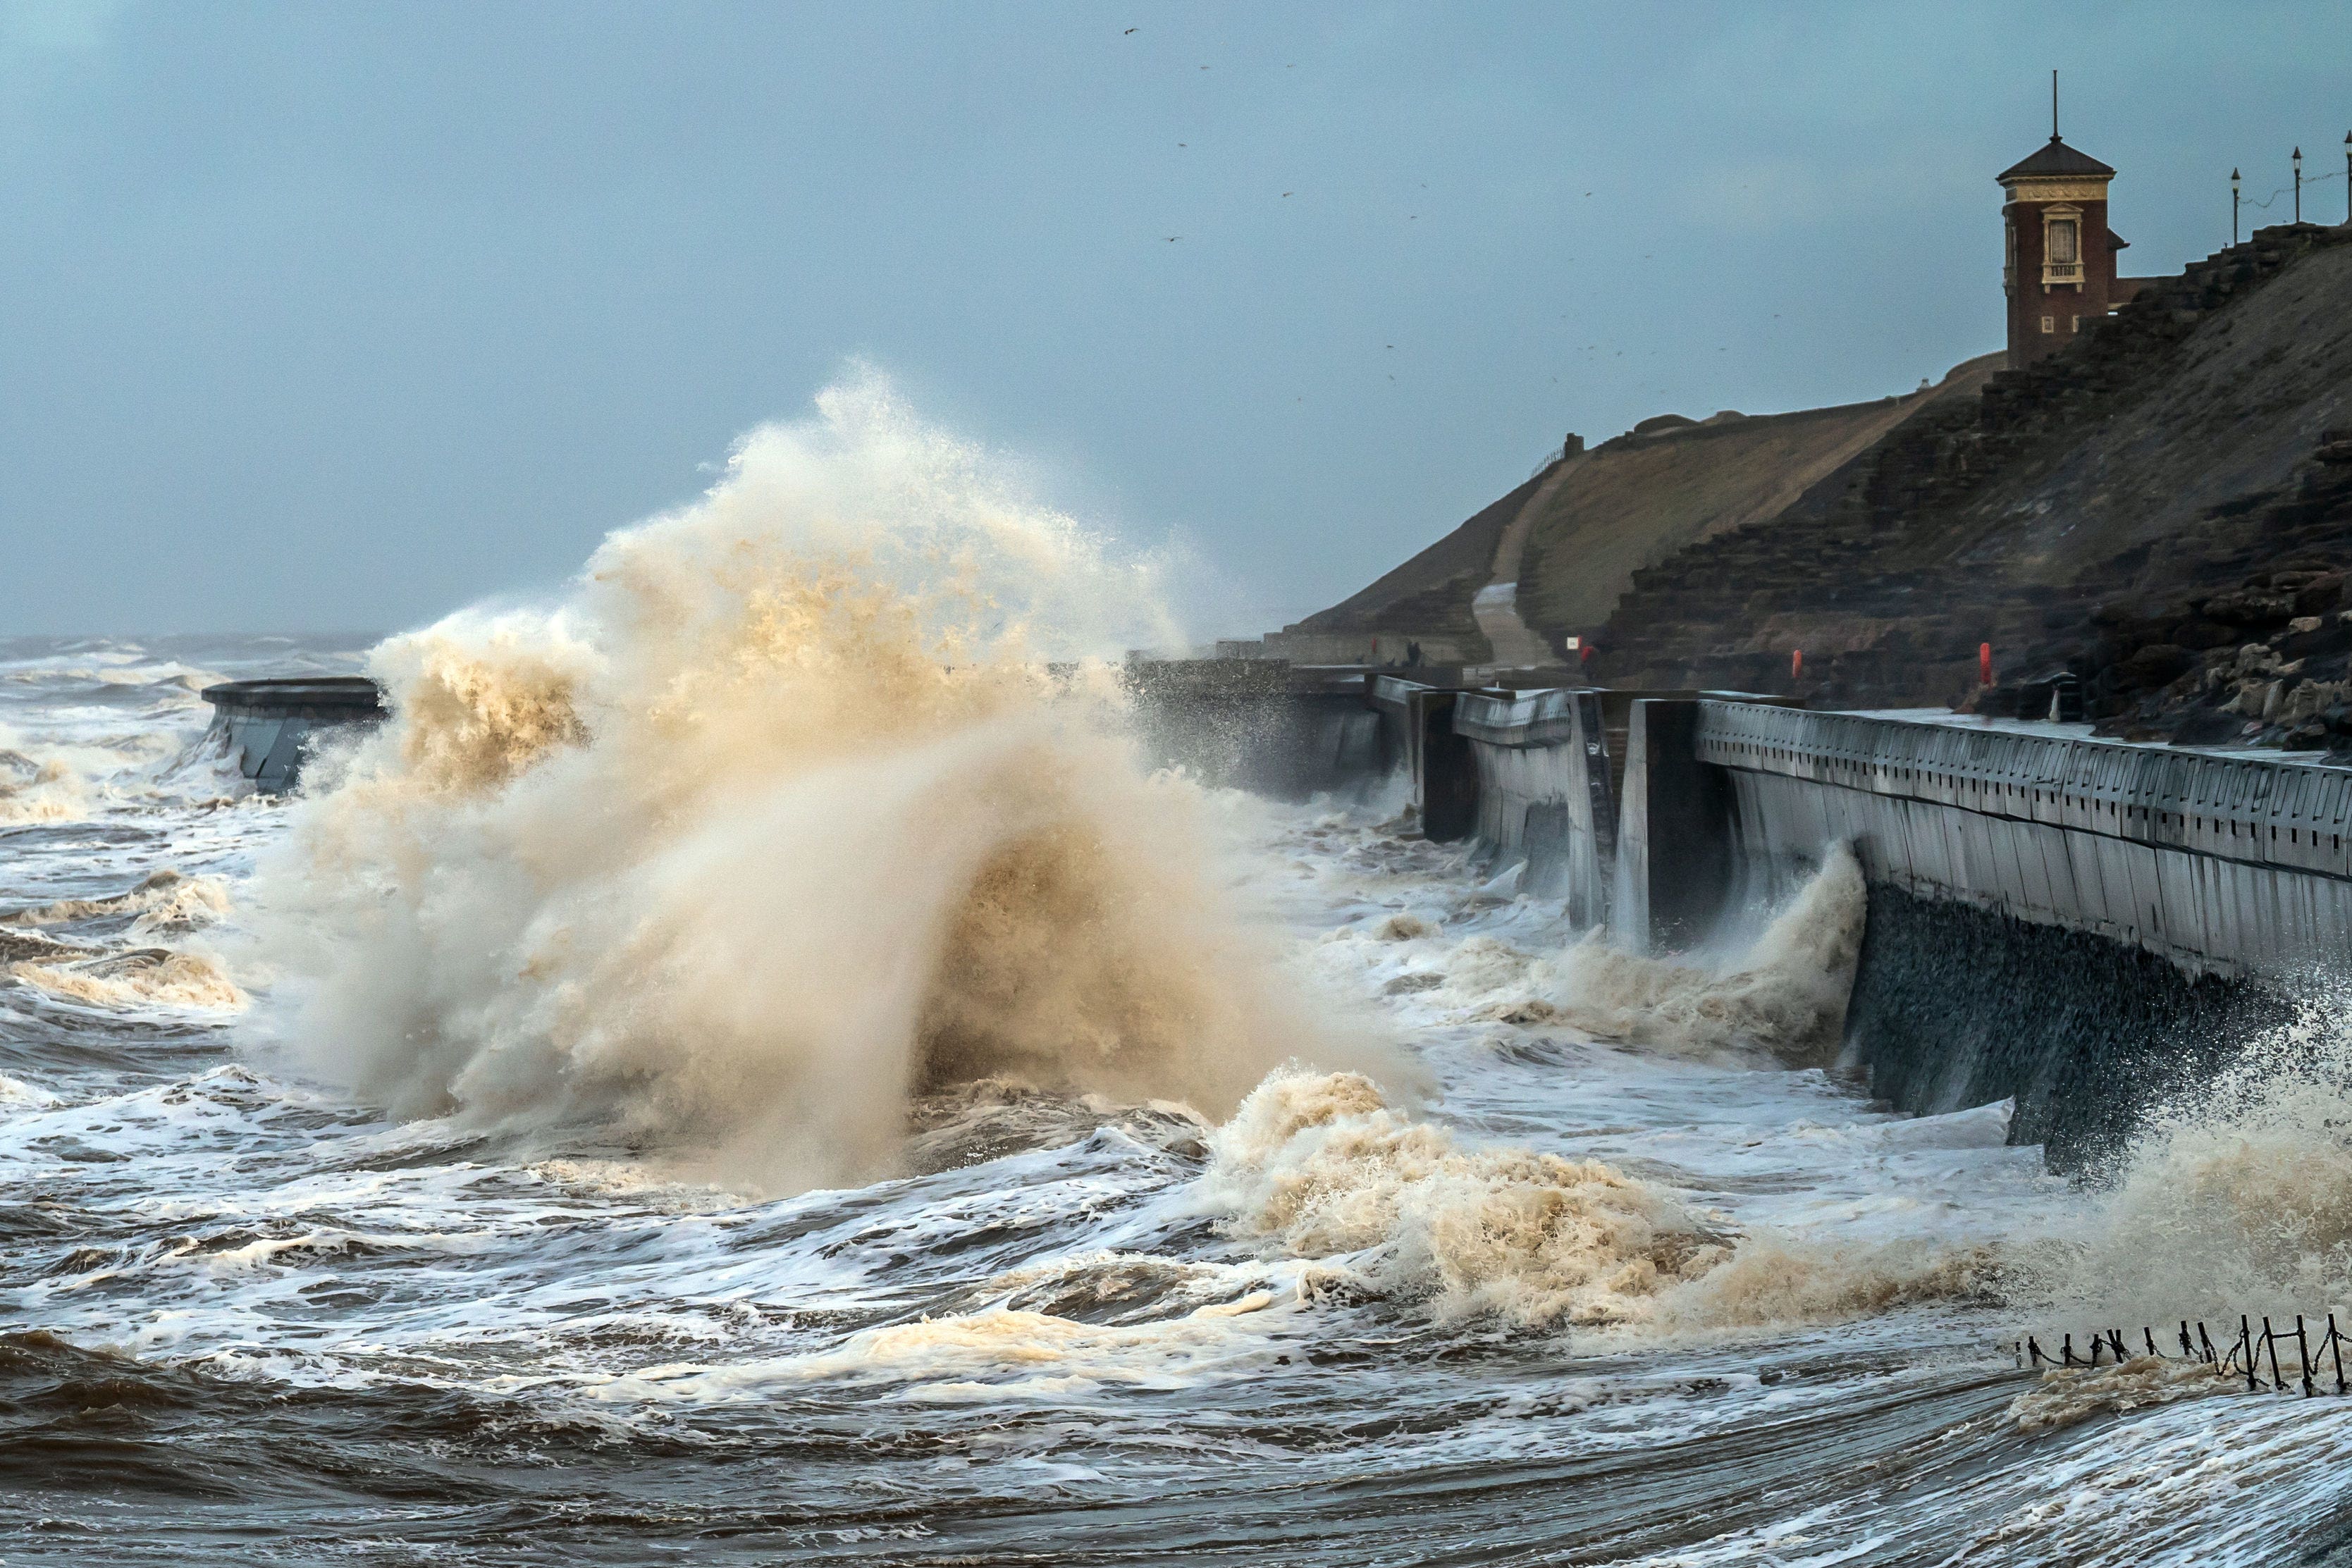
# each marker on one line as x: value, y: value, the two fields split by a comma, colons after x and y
x: 2298, y: 184
x: 2234, y: 201
x: 2347, y: 176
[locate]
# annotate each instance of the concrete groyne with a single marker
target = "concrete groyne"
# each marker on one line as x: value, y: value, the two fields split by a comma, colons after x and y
x: 266, y: 726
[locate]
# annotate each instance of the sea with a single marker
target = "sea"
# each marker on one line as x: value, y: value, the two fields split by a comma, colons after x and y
x: 752, y: 1064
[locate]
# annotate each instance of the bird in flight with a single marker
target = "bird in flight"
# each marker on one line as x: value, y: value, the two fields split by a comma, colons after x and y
x: 1285, y: 193
x: 1171, y: 239
x: 1129, y: 30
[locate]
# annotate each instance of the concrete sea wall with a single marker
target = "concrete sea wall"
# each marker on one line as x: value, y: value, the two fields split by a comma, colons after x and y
x: 1544, y: 791
x: 2228, y: 865
x: 267, y: 726
x: 2084, y: 926
x: 1283, y: 730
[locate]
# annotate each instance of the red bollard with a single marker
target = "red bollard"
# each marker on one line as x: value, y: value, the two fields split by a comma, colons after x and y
x: 1984, y: 663
x: 1797, y: 665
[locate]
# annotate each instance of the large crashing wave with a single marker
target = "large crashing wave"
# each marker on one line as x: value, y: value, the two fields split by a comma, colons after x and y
x: 2235, y: 1195
x: 777, y: 817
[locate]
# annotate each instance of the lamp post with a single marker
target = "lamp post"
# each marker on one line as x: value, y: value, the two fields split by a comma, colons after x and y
x: 2233, y: 205
x: 2298, y: 184
x: 2347, y: 176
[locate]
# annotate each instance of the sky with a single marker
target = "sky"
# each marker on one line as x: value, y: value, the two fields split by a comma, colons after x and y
x: 335, y: 317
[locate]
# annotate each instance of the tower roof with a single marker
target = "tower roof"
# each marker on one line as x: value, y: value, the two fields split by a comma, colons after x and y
x: 2055, y: 158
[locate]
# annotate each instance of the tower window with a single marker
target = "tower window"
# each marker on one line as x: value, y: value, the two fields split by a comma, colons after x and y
x: 2074, y: 324
x: 2062, y: 246
x: 2049, y: 323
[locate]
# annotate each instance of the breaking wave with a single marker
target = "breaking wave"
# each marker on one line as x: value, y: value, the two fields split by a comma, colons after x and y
x: 1321, y: 1163
x: 1322, y: 1166
x: 779, y: 818
x: 2237, y: 1195
x: 165, y: 900
x: 1786, y: 995
x: 37, y: 789
x: 142, y: 976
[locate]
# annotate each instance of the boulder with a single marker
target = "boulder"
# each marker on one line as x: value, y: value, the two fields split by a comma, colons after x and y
x: 2320, y: 595
x: 2251, y: 607
x: 2158, y: 665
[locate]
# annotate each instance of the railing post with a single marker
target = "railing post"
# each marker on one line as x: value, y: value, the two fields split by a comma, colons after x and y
x: 2303, y: 1355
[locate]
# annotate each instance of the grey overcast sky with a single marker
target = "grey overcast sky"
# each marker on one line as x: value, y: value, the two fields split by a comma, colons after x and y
x: 335, y: 316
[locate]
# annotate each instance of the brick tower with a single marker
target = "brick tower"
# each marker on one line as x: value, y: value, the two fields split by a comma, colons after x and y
x: 2060, y: 271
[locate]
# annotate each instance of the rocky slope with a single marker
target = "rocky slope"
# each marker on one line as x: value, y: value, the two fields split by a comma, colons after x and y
x: 2081, y: 512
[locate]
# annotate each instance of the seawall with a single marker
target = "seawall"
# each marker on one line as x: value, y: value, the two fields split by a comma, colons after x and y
x: 2085, y: 925
x: 267, y: 726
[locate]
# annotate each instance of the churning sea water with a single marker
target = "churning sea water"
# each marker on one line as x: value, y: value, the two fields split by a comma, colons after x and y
x: 744, y: 1068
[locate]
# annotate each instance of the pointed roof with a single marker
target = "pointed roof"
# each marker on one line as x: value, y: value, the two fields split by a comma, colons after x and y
x: 2055, y: 158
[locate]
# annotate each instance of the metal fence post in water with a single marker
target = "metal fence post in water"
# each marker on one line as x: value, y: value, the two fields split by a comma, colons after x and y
x: 2246, y: 1343
x: 2336, y: 1341
x: 2270, y: 1343
x: 2211, y: 1356
x: 2303, y: 1355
